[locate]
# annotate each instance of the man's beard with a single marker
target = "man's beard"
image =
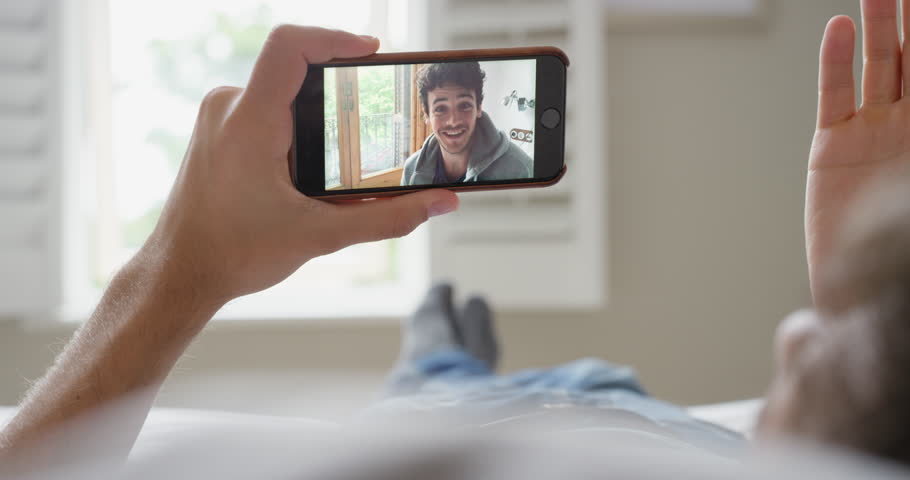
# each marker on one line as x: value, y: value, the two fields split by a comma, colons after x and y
x: 442, y: 144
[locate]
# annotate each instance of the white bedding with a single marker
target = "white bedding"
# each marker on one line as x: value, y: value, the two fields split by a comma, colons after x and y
x: 177, y: 443
x: 164, y: 425
x: 738, y: 416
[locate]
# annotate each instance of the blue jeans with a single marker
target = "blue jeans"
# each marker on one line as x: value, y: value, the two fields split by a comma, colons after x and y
x: 458, y: 368
x: 454, y: 383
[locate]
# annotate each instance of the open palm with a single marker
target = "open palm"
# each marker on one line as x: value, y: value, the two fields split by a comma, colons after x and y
x: 853, y: 145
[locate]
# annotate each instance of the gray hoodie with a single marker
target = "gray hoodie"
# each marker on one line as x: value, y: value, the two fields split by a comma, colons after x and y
x: 493, y: 157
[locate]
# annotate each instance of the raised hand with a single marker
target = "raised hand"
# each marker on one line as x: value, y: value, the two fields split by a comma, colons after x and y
x: 852, y: 145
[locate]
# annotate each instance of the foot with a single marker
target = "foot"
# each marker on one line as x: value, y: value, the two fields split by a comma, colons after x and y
x: 475, y: 325
x: 431, y: 327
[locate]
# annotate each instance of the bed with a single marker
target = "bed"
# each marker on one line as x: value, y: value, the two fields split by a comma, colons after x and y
x: 738, y: 416
x: 184, y: 443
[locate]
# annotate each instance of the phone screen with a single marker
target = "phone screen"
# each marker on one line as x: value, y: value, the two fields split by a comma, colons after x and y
x: 429, y: 124
x: 459, y: 123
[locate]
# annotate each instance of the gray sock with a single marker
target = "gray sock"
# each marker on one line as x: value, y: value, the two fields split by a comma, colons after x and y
x: 431, y: 327
x: 475, y: 324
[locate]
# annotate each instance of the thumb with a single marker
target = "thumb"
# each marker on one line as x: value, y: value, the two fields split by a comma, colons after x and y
x: 380, y: 219
x: 282, y: 65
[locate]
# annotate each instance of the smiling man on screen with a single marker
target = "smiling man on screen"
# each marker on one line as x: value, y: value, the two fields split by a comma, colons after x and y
x: 465, y: 145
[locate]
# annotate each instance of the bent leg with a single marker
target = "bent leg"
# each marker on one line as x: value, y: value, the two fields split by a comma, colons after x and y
x: 433, y: 346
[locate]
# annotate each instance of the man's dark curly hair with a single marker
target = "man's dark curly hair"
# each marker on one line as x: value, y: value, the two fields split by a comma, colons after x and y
x: 464, y: 74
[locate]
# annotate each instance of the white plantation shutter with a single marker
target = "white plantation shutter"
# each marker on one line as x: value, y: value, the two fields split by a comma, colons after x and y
x: 536, y: 248
x: 30, y: 215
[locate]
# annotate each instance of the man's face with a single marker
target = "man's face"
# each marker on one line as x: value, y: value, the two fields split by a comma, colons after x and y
x: 453, y: 113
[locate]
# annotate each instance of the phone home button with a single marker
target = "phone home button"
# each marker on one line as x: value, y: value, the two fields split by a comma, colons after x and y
x: 550, y: 118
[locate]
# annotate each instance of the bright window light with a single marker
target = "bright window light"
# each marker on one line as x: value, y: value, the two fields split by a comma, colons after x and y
x: 163, y: 58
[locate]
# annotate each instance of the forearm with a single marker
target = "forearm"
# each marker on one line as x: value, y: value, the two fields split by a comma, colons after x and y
x: 119, y: 358
x: 233, y: 224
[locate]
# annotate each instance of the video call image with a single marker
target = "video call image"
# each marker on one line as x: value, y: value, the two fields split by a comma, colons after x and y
x: 429, y: 124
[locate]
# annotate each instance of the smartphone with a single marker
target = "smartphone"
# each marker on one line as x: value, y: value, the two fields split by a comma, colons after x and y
x: 389, y: 124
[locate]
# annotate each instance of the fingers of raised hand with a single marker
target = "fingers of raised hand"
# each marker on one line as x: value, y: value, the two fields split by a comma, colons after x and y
x: 882, y: 78
x: 837, y: 97
x: 905, y: 60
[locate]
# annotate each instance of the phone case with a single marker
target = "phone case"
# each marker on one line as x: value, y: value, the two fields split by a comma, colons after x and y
x: 435, y: 56
x: 457, y: 188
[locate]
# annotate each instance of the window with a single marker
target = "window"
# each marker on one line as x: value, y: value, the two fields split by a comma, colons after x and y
x: 158, y: 65
x: 688, y: 7
x: 128, y: 77
x: 367, y: 124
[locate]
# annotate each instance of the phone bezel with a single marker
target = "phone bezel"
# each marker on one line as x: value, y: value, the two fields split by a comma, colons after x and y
x: 308, y: 150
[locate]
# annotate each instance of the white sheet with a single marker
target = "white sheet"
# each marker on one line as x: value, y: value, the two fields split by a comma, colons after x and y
x: 208, y: 444
x: 738, y: 416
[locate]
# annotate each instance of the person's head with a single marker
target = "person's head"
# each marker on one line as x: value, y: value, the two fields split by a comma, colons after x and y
x: 451, y: 94
x: 844, y: 370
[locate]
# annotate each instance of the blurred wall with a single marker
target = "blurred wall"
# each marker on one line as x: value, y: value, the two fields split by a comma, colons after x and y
x: 502, y: 79
x: 708, y: 133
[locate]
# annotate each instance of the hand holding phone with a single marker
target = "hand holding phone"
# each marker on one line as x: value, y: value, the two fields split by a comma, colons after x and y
x: 462, y: 120
x: 233, y: 222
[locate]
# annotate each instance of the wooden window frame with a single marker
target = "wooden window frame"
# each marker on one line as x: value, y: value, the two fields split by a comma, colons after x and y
x: 347, y: 101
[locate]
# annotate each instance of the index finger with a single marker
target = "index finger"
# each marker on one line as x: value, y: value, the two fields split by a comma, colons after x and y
x: 836, y: 84
x: 282, y: 65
